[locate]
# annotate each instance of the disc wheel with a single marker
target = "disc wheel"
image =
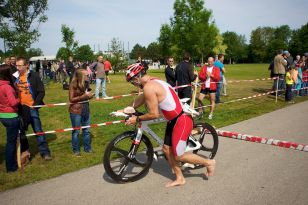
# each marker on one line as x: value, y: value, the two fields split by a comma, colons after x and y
x: 208, y: 138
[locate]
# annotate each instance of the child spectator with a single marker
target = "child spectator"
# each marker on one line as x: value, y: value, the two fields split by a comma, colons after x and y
x: 8, y: 115
x: 289, y: 84
x: 79, y: 112
x: 299, y: 79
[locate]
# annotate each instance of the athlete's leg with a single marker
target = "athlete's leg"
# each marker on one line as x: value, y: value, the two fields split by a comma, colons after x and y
x: 181, y: 132
x: 180, y: 180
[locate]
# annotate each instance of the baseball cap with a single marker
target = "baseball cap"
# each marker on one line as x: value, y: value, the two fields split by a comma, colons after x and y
x: 285, y: 52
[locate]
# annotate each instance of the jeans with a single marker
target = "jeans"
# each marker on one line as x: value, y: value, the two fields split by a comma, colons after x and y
x: 37, y: 127
x: 281, y: 83
x: 12, y: 129
x: 219, y: 85
x: 77, y: 121
x: 303, y: 91
x: 99, y: 82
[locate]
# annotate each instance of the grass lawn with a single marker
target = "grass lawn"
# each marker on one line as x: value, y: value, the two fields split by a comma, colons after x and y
x: 58, y: 117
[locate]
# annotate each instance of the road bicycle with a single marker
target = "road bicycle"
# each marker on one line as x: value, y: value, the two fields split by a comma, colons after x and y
x: 128, y: 157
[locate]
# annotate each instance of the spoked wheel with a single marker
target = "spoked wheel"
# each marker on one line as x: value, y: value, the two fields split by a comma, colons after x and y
x: 124, y: 161
x: 199, y: 107
x: 208, y: 138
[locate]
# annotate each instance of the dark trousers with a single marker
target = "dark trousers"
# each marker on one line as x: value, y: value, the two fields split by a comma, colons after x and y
x: 288, y: 96
x: 185, y: 93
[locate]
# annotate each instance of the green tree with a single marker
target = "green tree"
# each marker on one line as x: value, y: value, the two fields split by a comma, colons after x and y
x: 138, y: 50
x: 117, y: 57
x: 34, y: 52
x: 84, y: 53
x: 20, y: 22
x: 191, y: 30
x: 259, y: 41
x: 153, y: 51
x: 281, y: 39
x: 236, y: 47
x: 299, y: 41
x: 62, y: 53
x: 165, y: 41
x: 68, y: 39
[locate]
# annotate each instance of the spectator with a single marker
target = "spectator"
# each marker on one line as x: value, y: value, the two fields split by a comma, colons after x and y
x: 79, y: 112
x: 289, y: 85
x: 299, y: 79
x: 209, y: 76
x: 143, y: 63
x: 170, y: 72
x: 305, y: 79
x: 224, y: 87
x: 32, y: 92
x: 8, y: 115
x: 38, y: 66
x: 108, y: 68
x: 54, y: 70
x: 62, y: 72
x: 100, y: 77
x: 279, y: 71
x: 70, y: 69
x: 288, y: 58
x: 219, y: 64
x: 184, y: 75
x: 7, y: 61
x: 13, y: 64
x: 297, y: 59
x: 45, y: 66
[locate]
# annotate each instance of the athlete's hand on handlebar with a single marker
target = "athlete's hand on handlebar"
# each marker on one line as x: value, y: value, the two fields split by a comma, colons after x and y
x: 131, y: 121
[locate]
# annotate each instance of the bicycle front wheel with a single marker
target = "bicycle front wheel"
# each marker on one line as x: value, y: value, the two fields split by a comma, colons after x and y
x: 125, y: 161
x: 208, y: 138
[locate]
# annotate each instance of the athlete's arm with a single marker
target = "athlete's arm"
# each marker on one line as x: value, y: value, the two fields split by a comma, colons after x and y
x: 150, y: 98
x: 138, y: 101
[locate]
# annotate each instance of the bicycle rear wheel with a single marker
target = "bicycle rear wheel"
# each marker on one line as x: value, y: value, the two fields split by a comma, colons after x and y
x: 207, y: 136
x: 124, y: 161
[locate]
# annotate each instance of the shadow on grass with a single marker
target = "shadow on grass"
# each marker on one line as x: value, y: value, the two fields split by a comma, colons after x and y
x: 34, y: 145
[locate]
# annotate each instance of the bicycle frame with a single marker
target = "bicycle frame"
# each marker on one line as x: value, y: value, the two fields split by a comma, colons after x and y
x: 144, y: 127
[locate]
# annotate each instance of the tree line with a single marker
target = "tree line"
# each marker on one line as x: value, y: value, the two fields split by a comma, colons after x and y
x: 191, y: 29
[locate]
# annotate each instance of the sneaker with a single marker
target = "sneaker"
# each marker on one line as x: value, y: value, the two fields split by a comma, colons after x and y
x: 89, y: 152
x: 210, y: 116
x: 77, y: 154
x: 47, y: 157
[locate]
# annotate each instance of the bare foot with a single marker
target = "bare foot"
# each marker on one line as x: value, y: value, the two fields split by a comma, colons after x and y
x: 178, y: 182
x: 210, y: 168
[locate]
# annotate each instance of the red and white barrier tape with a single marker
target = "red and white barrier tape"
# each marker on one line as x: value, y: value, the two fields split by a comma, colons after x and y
x: 76, y: 128
x: 127, y: 95
x: 263, y: 140
x: 233, y: 135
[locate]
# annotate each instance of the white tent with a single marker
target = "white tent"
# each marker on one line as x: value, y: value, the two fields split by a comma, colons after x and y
x: 36, y: 58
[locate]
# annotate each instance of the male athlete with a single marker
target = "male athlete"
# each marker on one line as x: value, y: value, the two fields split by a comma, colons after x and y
x: 161, y: 98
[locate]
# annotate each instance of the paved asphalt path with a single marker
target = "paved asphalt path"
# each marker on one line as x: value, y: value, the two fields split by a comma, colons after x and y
x: 246, y: 173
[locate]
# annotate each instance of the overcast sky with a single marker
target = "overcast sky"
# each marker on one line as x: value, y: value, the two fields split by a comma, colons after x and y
x: 96, y: 22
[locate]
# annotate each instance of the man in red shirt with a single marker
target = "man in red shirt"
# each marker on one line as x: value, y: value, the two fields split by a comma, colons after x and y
x: 107, y: 65
x: 209, y: 76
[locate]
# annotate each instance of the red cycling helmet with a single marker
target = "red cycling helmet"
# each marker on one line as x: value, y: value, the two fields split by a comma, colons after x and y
x: 133, y: 70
